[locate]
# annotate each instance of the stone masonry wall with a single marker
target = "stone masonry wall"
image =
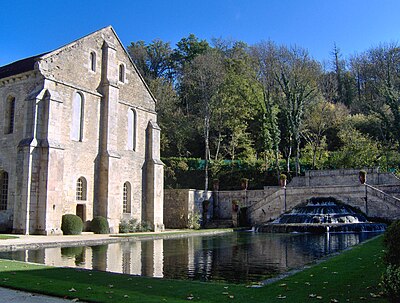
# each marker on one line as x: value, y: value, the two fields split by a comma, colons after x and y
x: 342, y: 177
x: 179, y: 204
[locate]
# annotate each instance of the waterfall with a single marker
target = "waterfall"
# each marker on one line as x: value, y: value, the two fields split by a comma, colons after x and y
x: 319, y: 215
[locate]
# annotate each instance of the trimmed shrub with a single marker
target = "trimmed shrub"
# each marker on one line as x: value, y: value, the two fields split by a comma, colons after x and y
x: 391, y: 283
x: 124, y: 227
x: 392, y: 242
x: 129, y: 227
x: 99, y: 225
x: 144, y: 226
x: 194, y: 221
x: 133, y: 226
x: 71, y: 224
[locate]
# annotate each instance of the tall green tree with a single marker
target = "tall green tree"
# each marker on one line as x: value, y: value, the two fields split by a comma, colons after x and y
x: 320, y: 116
x: 266, y: 92
x: 297, y: 76
x: 234, y: 110
x: 202, y: 79
x: 378, y: 82
x: 153, y: 60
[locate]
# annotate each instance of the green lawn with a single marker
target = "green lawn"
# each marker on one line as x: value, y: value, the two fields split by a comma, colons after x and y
x: 352, y: 276
x: 6, y: 237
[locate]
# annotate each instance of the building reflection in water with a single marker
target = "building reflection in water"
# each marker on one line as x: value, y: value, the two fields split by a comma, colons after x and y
x: 235, y: 257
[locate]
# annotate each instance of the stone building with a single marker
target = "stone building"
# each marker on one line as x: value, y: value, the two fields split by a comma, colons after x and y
x: 78, y: 135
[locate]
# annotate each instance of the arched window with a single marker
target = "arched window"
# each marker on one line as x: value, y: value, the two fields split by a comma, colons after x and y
x: 131, y: 129
x: 93, y: 61
x: 126, y: 198
x: 9, y: 116
x: 3, y: 190
x: 77, y: 117
x: 81, y: 189
x: 121, y: 73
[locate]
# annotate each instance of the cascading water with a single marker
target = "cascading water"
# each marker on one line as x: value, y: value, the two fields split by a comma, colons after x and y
x: 320, y: 215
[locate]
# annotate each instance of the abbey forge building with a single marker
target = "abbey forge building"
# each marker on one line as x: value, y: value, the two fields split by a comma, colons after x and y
x: 78, y: 135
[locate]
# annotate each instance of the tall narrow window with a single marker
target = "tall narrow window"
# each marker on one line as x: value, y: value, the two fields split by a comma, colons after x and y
x: 3, y: 190
x: 121, y: 73
x: 77, y: 118
x: 93, y: 61
x: 126, y: 199
x: 9, y: 116
x: 81, y: 189
x: 131, y: 129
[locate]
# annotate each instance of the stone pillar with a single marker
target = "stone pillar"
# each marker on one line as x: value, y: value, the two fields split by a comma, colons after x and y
x: 155, y: 178
x: 106, y: 192
x: 29, y: 182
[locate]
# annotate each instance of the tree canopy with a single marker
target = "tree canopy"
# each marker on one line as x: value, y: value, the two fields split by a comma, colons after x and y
x: 274, y: 104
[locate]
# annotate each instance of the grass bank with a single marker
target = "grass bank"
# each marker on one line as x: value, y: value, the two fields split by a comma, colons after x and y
x: 352, y: 276
x: 7, y: 237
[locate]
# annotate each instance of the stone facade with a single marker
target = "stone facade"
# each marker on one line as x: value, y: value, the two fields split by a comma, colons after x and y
x: 84, y: 138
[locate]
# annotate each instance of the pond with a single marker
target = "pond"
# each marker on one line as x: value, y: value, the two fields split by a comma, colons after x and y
x: 239, y: 257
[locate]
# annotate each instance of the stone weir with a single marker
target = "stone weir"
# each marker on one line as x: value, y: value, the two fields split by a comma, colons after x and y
x: 320, y: 215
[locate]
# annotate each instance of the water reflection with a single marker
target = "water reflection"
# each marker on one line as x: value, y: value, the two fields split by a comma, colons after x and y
x: 236, y: 257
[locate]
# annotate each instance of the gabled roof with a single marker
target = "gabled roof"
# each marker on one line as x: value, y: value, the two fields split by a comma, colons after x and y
x: 28, y: 64
x: 20, y: 66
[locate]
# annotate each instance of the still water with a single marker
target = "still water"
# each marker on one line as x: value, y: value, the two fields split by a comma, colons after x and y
x: 239, y: 257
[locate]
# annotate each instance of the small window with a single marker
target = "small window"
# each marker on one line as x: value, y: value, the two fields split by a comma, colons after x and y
x: 126, y: 199
x: 81, y: 189
x: 9, y: 115
x: 93, y: 61
x: 131, y: 129
x: 77, y: 117
x: 3, y: 190
x: 121, y: 73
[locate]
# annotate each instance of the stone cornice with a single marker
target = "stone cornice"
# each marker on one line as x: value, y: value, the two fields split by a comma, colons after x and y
x: 18, y: 77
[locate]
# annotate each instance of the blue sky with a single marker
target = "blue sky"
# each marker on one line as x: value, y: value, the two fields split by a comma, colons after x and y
x: 30, y: 27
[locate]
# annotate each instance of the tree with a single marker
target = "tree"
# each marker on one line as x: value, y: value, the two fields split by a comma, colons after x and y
x: 202, y: 79
x: 320, y: 116
x: 296, y: 75
x: 266, y: 93
x: 153, y: 60
x: 378, y: 85
x: 176, y: 130
x: 357, y: 151
x: 234, y: 109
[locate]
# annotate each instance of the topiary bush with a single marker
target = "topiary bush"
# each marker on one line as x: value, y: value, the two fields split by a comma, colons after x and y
x: 71, y: 224
x: 392, y: 242
x: 391, y: 283
x: 99, y: 225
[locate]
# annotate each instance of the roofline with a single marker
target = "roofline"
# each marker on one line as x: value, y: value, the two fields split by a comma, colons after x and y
x: 48, y: 54
x: 123, y: 47
x: 134, y: 65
